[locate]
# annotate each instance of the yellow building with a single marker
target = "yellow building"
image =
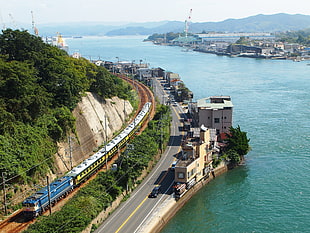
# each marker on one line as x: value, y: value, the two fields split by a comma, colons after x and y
x: 196, y: 158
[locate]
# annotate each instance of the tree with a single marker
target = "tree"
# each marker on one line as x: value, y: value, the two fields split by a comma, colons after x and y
x: 238, y: 141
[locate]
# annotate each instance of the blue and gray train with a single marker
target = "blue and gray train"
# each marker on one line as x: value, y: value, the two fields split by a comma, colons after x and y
x: 37, y: 203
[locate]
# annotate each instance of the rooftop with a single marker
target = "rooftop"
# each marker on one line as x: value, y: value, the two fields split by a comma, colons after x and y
x: 215, y: 102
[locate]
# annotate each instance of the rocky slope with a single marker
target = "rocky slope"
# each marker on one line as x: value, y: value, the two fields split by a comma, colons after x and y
x: 92, y: 115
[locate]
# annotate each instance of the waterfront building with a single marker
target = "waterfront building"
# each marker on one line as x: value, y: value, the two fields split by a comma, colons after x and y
x: 214, y: 112
x: 186, y: 40
x: 234, y: 36
x: 196, y: 158
x: 171, y: 76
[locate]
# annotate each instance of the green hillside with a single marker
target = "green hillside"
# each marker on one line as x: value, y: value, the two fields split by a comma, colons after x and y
x: 39, y: 87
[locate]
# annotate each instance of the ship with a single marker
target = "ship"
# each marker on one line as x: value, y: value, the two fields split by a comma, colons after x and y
x: 58, y: 41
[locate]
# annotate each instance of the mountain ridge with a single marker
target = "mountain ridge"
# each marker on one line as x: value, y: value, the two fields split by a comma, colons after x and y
x: 258, y: 23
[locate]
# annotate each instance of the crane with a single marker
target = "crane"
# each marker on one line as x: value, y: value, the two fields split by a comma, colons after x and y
x: 13, y: 21
x: 34, y: 28
x: 187, y: 21
x: 3, y: 27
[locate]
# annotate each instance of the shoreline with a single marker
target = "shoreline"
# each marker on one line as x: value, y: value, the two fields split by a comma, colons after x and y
x: 168, y: 209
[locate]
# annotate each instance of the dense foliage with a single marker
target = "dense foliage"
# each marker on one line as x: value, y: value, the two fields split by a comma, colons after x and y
x: 237, y: 144
x: 100, y: 192
x: 39, y: 86
x: 301, y: 37
x: 168, y: 37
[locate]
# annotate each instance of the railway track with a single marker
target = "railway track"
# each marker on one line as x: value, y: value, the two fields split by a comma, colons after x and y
x: 17, y: 223
x: 145, y: 94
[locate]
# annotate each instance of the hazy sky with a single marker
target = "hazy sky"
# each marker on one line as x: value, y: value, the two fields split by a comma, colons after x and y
x: 51, y: 11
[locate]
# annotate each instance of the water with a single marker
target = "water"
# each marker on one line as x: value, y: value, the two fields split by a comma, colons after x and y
x: 271, y: 192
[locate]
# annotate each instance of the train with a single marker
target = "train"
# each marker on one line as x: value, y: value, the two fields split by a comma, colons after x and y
x: 36, y: 204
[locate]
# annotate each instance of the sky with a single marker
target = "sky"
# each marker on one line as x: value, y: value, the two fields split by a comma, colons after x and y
x: 66, y: 11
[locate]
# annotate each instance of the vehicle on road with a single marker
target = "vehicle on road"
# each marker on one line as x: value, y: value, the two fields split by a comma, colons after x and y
x: 155, y: 191
x: 173, y: 165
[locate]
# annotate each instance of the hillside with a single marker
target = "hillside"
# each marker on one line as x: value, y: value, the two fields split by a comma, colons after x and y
x: 40, y: 87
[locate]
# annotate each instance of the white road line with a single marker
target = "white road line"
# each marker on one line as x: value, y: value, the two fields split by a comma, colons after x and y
x: 126, y: 203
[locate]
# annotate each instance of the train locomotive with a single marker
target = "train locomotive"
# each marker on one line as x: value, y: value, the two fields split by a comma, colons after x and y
x: 37, y: 203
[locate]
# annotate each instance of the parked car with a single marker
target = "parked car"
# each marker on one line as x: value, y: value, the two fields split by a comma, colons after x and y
x: 155, y: 191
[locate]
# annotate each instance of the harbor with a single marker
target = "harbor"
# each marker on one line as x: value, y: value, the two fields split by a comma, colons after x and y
x: 251, y: 45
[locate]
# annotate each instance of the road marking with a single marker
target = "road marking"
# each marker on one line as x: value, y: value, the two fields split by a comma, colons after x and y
x: 140, y: 205
x: 145, y: 182
x: 157, y: 203
x: 118, y: 210
x: 129, y: 217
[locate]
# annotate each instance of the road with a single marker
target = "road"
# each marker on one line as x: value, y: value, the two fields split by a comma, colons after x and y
x: 132, y: 214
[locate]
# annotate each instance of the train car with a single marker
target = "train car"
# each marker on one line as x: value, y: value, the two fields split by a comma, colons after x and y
x: 86, y: 169
x: 38, y: 202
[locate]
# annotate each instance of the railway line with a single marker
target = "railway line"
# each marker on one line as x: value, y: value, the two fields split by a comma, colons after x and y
x: 17, y: 222
x: 145, y: 95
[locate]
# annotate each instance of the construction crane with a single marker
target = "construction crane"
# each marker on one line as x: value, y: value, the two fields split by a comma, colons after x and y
x: 3, y: 27
x: 187, y: 22
x: 13, y: 21
x: 34, y: 28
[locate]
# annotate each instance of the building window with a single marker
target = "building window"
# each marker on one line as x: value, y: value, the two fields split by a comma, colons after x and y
x: 181, y: 175
x: 216, y: 120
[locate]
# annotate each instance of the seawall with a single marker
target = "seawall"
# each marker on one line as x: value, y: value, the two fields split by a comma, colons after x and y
x: 170, y: 207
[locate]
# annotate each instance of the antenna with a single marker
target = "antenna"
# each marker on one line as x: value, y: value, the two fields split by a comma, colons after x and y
x: 34, y: 28
x: 187, y: 21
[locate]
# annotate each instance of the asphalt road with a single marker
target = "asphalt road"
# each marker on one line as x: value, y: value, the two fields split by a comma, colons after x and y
x: 132, y: 214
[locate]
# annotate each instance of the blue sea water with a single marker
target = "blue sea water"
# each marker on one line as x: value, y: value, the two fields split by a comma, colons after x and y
x: 271, y: 191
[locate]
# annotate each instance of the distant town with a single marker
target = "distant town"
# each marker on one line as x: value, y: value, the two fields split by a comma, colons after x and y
x: 254, y: 45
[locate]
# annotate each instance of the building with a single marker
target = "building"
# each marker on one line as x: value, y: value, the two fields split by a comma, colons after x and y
x: 196, y: 159
x: 144, y: 74
x: 170, y: 76
x: 158, y: 72
x: 214, y: 112
x: 234, y: 36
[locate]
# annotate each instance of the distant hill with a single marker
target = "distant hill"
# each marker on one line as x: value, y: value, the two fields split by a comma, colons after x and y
x: 257, y: 23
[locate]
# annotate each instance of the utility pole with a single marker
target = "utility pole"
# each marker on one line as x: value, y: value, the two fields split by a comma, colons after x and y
x: 124, y: 111
x: 106, y: 141
x: 161, y: 133
x: 49, y: 195
x: 128, y: 148
x: 4, y: 194
x: 70, y: 151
